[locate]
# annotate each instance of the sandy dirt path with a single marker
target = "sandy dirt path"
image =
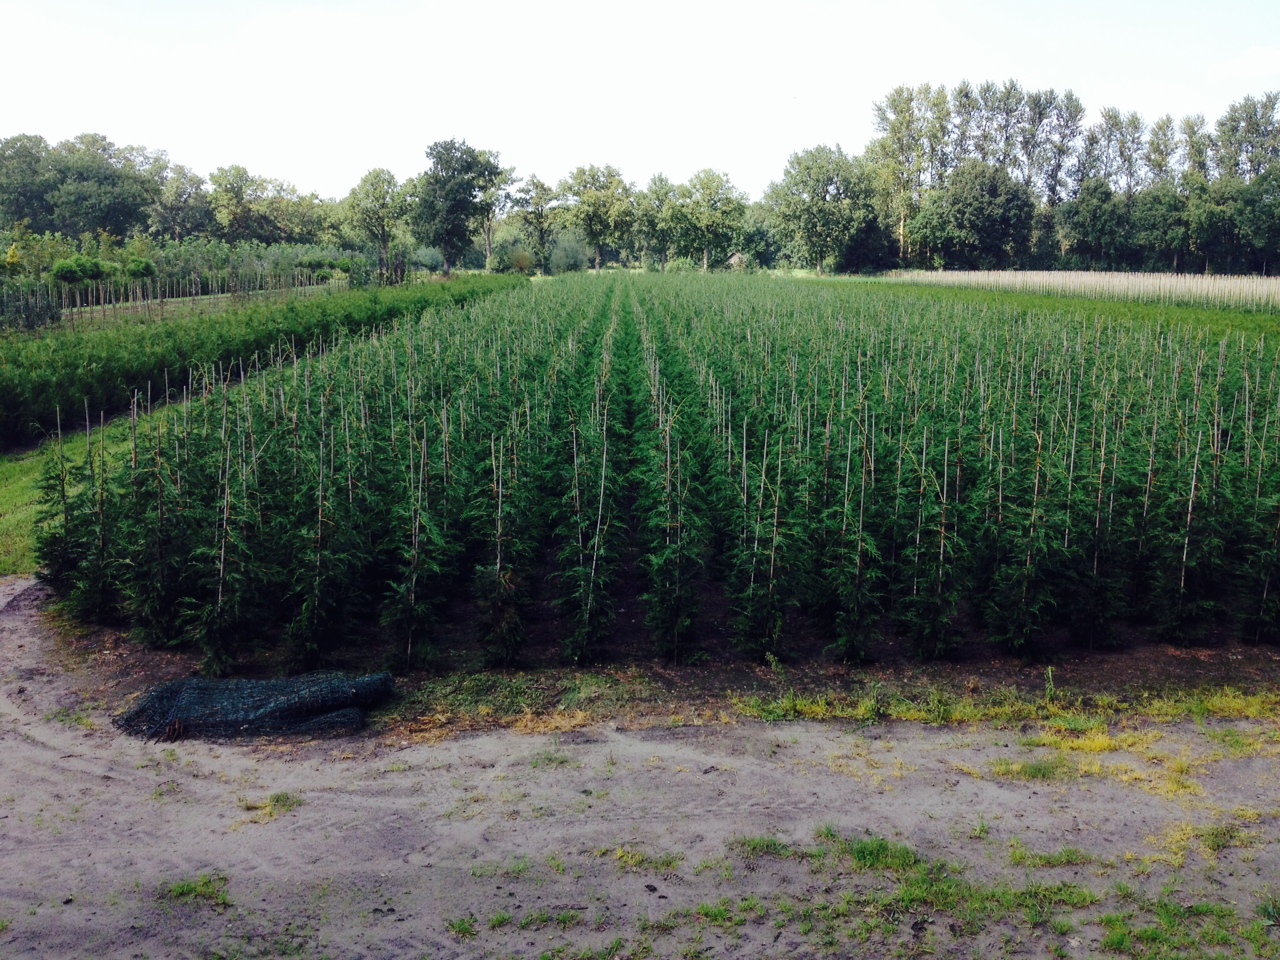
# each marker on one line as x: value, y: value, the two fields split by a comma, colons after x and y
x: 601, y: 842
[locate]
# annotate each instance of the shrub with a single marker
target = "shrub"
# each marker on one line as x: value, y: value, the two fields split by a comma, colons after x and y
x: 569, y: 255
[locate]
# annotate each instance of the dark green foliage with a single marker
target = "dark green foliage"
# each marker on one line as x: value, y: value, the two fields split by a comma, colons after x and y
x: 672, y: 494
x: 1262, y: 615
x: 594, y: 425
x: 980, y: 221
x: 88, y: 185
x: 132, y: 280
x: 511, y: 258
x: 762, y: 554
x: 139, y: 268
x: 499, y: 592
x: 421, y: 554
x: 569, y: 255
x: 202, y: 535
x: 75, y: 269
x: 82, y: 504
x: 829, y: 457
x: 27, y: 305
x: 1096, y: 227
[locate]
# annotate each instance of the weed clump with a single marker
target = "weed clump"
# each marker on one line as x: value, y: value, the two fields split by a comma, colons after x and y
x: 1020, y: 856
x: 1056, y: 767
x: 208, y: 889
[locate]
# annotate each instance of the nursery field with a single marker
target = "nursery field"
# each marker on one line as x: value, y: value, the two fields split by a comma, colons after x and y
x: 624, y: 466
x: 72, y: 371
x: 670, y: 515
x: 1251, y: 293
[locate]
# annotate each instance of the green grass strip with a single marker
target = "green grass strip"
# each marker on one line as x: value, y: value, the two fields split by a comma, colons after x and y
x: 1211, y: 319
x: 18, y: 508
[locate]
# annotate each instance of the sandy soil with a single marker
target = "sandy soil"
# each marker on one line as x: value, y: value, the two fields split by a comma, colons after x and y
x: 595, y: 840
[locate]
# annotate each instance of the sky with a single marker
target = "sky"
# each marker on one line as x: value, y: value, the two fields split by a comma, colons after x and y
x: 318, y: 93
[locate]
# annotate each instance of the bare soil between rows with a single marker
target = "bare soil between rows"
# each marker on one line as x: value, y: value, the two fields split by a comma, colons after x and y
x: 617, y: 838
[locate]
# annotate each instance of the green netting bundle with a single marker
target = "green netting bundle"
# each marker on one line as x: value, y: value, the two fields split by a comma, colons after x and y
x: 314, y: 704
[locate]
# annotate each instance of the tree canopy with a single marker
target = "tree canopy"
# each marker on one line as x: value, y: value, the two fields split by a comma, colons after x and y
x: 980, y: 221
x: 374, y: 208
x: 597, y: 201
x: 445, y: 200
x: 822, y: 203
x: 714, y: 211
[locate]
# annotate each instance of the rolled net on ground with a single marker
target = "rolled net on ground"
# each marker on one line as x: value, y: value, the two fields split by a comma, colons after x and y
x: 316, y: 704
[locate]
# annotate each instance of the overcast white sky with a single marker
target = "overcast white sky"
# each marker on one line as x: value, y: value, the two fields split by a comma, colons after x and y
x: 319, y: 92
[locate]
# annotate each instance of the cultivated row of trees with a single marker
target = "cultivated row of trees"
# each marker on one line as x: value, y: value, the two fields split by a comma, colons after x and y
x: 794, y: 462
x: 42, y: 274
x: 989, y: 176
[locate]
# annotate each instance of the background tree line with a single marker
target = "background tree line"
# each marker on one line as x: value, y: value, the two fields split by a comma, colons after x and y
x: 986, y: 177
x: 997, y: 176
x: 980, y: 177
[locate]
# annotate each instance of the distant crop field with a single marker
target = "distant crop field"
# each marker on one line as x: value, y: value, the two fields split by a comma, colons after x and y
x: 1240, y: 292
x: 789, y: 460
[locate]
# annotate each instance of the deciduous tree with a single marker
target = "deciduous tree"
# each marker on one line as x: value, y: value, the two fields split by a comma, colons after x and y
x: 595, y: 202
x: 374, y: 208
x: 26, y: 178
x: 899, y: 157
x: 820, y: 203
x: 497, y: 198
x: 1066, y: 120
x: 714, y: 210
x: 448, y: 198
x: 658, y: 218
x: 1259, y: 217
x: 1248, y: 136
x: 101, y: 187
x: 535, y: 206
x: 182, y: 209
x: 981, y: 221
